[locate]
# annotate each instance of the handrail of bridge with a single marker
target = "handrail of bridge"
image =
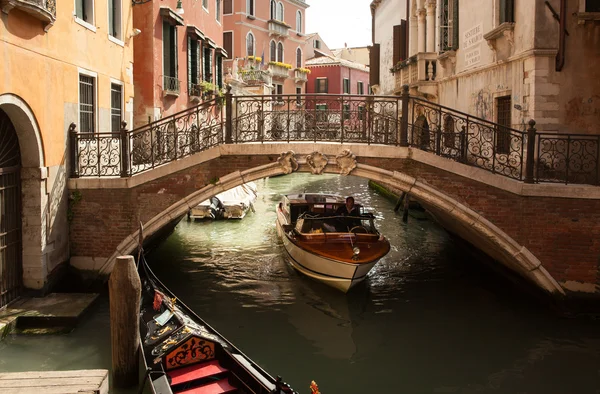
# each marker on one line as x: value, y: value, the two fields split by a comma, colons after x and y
x: 458, y: 136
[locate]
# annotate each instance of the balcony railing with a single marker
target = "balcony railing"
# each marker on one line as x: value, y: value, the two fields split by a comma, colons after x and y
x: 255, y: 77
x: 300, y: 75
x: 419, y: 68
x: 278, y: 28
x: 171, y: 86
x: 279, y: 71
x: 44, y: 10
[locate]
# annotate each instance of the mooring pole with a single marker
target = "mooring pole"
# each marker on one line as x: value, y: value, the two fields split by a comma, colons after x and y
x: 405, y: 213
x: 124, y: 289
x: 399, y: 202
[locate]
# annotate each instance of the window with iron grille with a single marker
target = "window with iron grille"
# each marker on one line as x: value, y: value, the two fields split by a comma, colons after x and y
x: 346, y: 86
x: 116, y: 107
x: 503, y: 135
x: 87, y: 104
x: 360, y: 87
x: 448, y: 25
x: 321, y: 85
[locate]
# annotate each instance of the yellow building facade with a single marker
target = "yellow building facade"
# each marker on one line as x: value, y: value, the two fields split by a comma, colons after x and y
x: 63, y: 62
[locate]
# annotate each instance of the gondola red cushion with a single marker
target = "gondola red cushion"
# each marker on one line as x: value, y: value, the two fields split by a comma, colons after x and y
x: 194, y: 372
x: 218, y: 387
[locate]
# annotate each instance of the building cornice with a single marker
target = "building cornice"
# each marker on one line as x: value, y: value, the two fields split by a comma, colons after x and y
x: 299, y: 3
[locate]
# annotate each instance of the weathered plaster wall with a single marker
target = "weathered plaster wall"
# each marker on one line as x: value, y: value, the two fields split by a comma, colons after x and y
x: 387, y: 14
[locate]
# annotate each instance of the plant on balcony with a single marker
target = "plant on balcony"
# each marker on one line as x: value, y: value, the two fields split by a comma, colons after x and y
x: 280, y: 64
x: 254, y: 58
x: 403, y: 64
x: 303, y: 70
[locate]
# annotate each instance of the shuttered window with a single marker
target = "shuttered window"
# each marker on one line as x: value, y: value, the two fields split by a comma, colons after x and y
x: 227, y: 7
x: 346, y: 86
x: 208, y: 59
x: 374, y: 64
x: 193, y: 60
x: 321, y: 85
x: 169, y: 50
x: 220, y: 71
x: 228, y: 44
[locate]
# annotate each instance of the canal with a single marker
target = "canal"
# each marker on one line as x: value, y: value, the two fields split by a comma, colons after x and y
x: 428, y: 319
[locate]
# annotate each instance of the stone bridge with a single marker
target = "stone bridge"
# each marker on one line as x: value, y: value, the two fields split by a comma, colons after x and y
x: 548, y: 233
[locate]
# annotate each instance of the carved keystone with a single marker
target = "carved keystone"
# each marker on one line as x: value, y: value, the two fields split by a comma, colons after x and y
x: 317, y: 162
x: 346, y: 161
x: 287, y: 161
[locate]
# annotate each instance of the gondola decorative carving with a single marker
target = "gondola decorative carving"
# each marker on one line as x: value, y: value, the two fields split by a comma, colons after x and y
x: 317, y: 162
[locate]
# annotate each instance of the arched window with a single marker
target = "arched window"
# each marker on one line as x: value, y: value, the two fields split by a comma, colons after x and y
x: 298, y: 58
x: 280, y: 52
x: 299, y: 22
x: 273, y: 50
x: 280, y: 11
x: 250, y: 44
x: 273, y: 9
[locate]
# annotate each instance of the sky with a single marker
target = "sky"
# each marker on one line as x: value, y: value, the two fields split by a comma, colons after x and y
x: 340, y: 21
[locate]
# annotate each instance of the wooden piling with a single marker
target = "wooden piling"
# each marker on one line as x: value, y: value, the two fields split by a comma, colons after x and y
x: 406, y: 204
x: 400, y: 201
x: 124, y: 288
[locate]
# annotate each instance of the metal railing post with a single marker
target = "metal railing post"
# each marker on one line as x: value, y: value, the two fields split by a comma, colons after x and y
x: 124, y: 150
x: 74, y: 157
x: 529, y: 166
x: 404, y: 120
x: 228, y: 115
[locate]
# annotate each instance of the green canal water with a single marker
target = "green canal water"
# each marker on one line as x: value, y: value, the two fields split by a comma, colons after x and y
x: 428, y: 319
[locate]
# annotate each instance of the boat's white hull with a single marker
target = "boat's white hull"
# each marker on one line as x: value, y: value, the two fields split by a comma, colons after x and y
x: 338, y: 274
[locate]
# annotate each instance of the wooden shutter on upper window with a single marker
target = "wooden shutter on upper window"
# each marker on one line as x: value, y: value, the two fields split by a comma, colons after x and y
x: 403, y: 40
x: 228, y: 43
x: 189, y: 60
x: 455, y: 25
x: 396, y: 43
x: 227, y: 7
x: 374, y: 64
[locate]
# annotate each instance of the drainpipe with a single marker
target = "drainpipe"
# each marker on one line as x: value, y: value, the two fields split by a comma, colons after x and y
x: 560, y: 56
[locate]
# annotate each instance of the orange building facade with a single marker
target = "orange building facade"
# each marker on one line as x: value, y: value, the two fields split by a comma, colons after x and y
x: 178, y: 56
x: 268, y: 36
x: 63, y: 62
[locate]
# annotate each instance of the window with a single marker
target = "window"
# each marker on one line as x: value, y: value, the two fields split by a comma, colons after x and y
x: 116, y: 107
x: 220, y: 72
x: 169, y: 50
x: 592, y: 6
x: 360, y: 88
x: 346, y: 86
x: 449, y: 25
x: 507, y: 8
x: 227, y: 7
x: 84, y: 10
x: 400, y: 48
x: 298, y: 58
x: 321, y: 85
x: 205, y: 4
x: 273, y: 51
x: 87, y: 104
x: 503, y: 134
x: 228, y: 43
x: 194, y: 46
x: 208, y: 61
x: 346, y: 111
x: 299, y: 22
x: 280, y: 11
x: 218, y: 10
x: 114, y: 19
x: 273, y: 9
x: 317, y: 44
x: 250, y: 7
x: 278, y: 92
x: 280, y: 52
x: 250, y: 44
x: 298, y: 98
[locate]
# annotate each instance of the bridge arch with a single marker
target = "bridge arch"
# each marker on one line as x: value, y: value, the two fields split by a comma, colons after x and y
x: 452, y: 214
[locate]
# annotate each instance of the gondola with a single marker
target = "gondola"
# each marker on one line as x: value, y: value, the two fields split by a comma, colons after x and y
x: 183, y: 354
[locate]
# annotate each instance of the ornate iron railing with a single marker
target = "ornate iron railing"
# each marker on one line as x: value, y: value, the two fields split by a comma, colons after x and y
x: 521, y: 155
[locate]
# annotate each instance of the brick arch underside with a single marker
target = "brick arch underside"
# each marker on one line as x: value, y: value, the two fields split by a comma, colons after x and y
x: 455, y: 216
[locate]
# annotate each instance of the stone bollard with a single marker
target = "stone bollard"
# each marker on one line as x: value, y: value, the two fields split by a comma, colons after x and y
x: 124, y: 289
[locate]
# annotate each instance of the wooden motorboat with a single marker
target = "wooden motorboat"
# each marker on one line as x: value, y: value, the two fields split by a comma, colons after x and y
x: 230, y: 204
x: 183, y: 354
x: 337, y: 250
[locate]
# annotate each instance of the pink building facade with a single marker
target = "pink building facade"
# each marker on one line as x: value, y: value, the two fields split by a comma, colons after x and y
x: 337, y: 76
x: 178, y: 57
x: 268, y: 36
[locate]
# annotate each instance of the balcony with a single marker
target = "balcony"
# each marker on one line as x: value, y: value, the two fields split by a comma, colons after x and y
x: 279, y: 70
x: 44, y: 10
x: 301, y: 75
x: 255, y: 77
x: 171, y: 86
x: 418, y: 72
x: 278, y: 28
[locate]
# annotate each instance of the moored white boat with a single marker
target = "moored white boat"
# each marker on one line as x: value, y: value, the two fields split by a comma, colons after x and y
x: 324, y: 245
x: 230, y: 204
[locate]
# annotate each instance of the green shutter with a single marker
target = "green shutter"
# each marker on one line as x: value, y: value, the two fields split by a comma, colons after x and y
x: 455, y: 25
x: 198, y: 63
x: 189, y: 60
x: 326, y: 85
x: 166, y: 49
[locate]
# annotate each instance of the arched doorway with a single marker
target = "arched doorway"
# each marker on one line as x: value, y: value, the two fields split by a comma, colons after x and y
x: 10, y: 213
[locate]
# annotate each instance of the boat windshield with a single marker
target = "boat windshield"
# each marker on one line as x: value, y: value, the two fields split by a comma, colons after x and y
x: 312, y: 223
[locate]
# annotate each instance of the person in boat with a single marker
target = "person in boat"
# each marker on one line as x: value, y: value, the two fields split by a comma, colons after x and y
x: 349, y: 209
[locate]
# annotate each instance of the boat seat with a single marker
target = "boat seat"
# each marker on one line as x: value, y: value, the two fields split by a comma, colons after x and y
x: 195, y: 372
x: 218, y: 387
